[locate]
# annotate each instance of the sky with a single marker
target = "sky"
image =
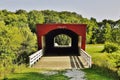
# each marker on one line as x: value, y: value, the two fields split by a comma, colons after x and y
x: 99, y: 9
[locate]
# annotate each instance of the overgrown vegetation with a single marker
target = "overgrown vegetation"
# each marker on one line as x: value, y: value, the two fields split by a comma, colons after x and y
x: 16, y: 44
x: 110, y: 47
x: 104, y: 64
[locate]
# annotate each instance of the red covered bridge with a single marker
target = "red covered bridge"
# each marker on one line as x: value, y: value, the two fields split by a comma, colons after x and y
x: 75, y: 53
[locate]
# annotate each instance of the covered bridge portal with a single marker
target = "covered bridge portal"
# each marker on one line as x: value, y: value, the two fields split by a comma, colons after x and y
x: 61, y: 46
x: 47, y: 32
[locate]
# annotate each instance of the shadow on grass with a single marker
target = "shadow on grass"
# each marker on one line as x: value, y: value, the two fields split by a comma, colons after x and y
x: 36, y: 76
x: 101, y: 73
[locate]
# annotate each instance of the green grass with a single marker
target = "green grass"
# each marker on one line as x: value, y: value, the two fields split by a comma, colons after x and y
x: 94, y: 49
x: 23, y: 73
x: 36, y: 76
x: 97, y: 72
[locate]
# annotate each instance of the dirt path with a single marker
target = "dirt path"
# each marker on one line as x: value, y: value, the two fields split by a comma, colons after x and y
x: 59, y: 62
x: 72, y: 64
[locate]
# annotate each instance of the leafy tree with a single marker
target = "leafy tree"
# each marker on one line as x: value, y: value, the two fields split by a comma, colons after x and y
x: 1, y: 16
x: 116, y: 33
x: 20, y: 11
x: 107, y: 32
x: 28, y: 45
x: 17, y: 43
x: 62, y: 39
x: 51, y: 16
x: 16, y: 20
x: 35, y: 17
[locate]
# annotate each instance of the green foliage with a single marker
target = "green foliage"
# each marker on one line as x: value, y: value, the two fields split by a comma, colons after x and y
x: 116, y: 33
x: 92, y: 31
x: 107, y: 64
x: 61, y: 17
x: 28, y: 45
x: 97, y: 32
x: 62, y: 39
x: 116, y: 56
x: 110, y: 47
x: 20, y: 11
x: 107, y: 32
x: 35, y: 17
x: 16, y: 44
x: 118, y: 73
x: 1, y: 16
x: 19, y: 20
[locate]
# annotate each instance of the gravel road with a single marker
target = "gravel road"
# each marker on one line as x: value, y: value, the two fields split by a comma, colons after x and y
x: 75, y: 74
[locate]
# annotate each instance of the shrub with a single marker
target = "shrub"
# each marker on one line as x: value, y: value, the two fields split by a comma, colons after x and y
x: 119, y: 72
x: 110, y: 47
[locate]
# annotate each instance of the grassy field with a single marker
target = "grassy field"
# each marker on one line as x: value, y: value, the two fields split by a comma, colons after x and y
x: 36, y: 76
x: 94, y: 49
x: 94, y: 73
x: 24, y: 73
x: 97, y: 73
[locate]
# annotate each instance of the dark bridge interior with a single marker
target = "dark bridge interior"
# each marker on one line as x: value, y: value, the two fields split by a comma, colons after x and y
x: 51, y: 50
